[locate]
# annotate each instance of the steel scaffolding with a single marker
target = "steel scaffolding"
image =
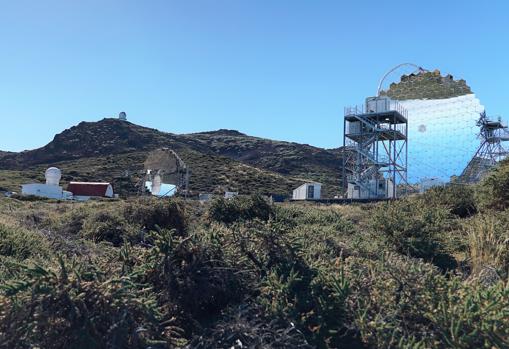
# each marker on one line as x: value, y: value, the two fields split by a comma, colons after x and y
x: 375, y: 149
x: 491, y: 150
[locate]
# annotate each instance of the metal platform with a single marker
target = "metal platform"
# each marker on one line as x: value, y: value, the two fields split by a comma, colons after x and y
x: 377, y: 134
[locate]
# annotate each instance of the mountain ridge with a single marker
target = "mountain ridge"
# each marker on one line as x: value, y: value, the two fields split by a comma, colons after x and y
x: 110, y: 138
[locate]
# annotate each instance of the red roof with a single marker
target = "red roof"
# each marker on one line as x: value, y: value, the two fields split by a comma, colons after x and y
x: 88, y: 188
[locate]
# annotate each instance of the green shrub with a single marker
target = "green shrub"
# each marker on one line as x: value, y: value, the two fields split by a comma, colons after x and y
x: 190, y: 276
x: 71, y: 223
x: 290, y: 289
x: 72, y: 307
x: 459, y: 199
x: 415, y: 229
x: 104, y: 225
x: 250, y: 325
x: 397, y: 302
x: 282, y: 276
x: 493, y: 191
x: 22, y: 244
x: 240, y: 209
x: 154, y: 213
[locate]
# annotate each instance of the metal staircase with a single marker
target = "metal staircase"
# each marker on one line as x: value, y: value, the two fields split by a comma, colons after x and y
x: 378, y: 139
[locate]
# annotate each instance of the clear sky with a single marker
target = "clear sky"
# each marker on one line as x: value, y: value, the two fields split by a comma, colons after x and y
x: 281, y: 69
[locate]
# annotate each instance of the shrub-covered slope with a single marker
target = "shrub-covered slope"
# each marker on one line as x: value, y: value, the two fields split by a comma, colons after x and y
x: 225, y: 154
x: 428, y: 271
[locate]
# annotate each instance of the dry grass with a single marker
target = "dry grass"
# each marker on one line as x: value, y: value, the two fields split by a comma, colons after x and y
x: 488, y: 243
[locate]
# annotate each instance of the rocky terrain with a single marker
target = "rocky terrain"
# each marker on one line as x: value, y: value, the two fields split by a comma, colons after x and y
x: 114, y: 150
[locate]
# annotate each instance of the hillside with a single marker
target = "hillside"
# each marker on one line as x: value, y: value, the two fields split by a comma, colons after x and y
x: 282, y: 157
x: 425, y: 271
x: 4, y: 153
x: 114, y: 150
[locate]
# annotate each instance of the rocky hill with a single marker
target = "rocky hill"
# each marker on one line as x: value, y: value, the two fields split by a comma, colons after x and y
x: 3, y: 153
x: 114, y: 150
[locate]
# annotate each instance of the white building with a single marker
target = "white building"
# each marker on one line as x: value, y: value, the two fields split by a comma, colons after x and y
x: 308, y: 191
x: 205, y: 197
x: 230, y: 194
x: 375, y: 189
x: 51, y: 189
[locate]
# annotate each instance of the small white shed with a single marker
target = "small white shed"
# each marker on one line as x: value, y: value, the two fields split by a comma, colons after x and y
x: 205, y: 197
x: 230, y: 194
x: 308, y: 191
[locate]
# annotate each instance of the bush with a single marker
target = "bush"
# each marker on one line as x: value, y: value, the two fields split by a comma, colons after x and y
x: 189, y: 276
x: 71, y: 222
x: 290, y: 289
x: 106, y: 225
x: 249, y: 326
x: 240, y: 209
x: 154, y: 213
x: 22, y: 244
x: 397, y: 302
x: 415, y: 229
x: 459, y: 199
x: 488, y: 241
x: 493, y: 191
x: 78, y: 308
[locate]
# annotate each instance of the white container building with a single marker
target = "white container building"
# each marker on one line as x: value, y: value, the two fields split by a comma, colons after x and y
x: 374, y: 189
x: 205, y: 197
x: 230, y: 194
x: 308, y: 191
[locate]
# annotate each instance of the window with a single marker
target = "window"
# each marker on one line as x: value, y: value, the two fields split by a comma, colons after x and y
x: 311, y: 191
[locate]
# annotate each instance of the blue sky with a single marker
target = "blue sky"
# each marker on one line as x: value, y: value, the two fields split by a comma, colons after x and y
x: 274, y: 68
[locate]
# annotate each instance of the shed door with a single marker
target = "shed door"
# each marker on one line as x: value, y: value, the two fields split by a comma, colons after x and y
x: 311, y: 191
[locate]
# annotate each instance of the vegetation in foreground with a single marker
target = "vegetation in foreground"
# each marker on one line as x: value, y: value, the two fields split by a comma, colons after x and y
x: 428, y: 271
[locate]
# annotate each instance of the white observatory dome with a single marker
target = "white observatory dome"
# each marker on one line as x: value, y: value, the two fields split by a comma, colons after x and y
x: 53, y: 176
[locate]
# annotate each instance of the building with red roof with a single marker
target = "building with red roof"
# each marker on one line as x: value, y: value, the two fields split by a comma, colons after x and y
x: 87, y: 190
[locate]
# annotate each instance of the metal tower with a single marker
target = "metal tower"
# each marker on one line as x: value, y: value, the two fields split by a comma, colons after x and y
x: 490, y: 151
x: 375, y: 149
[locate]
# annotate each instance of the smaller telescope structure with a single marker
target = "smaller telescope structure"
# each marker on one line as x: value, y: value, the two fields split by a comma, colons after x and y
x: 374, y: 149
x: 165, y: 173
x: 491, y: 150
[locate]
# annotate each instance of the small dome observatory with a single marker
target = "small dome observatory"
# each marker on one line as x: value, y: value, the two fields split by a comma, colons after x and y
x: 53, y: 176
x: 51, y: 189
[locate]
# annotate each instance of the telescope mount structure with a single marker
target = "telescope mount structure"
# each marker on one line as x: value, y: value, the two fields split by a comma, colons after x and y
x: 491, y: 150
